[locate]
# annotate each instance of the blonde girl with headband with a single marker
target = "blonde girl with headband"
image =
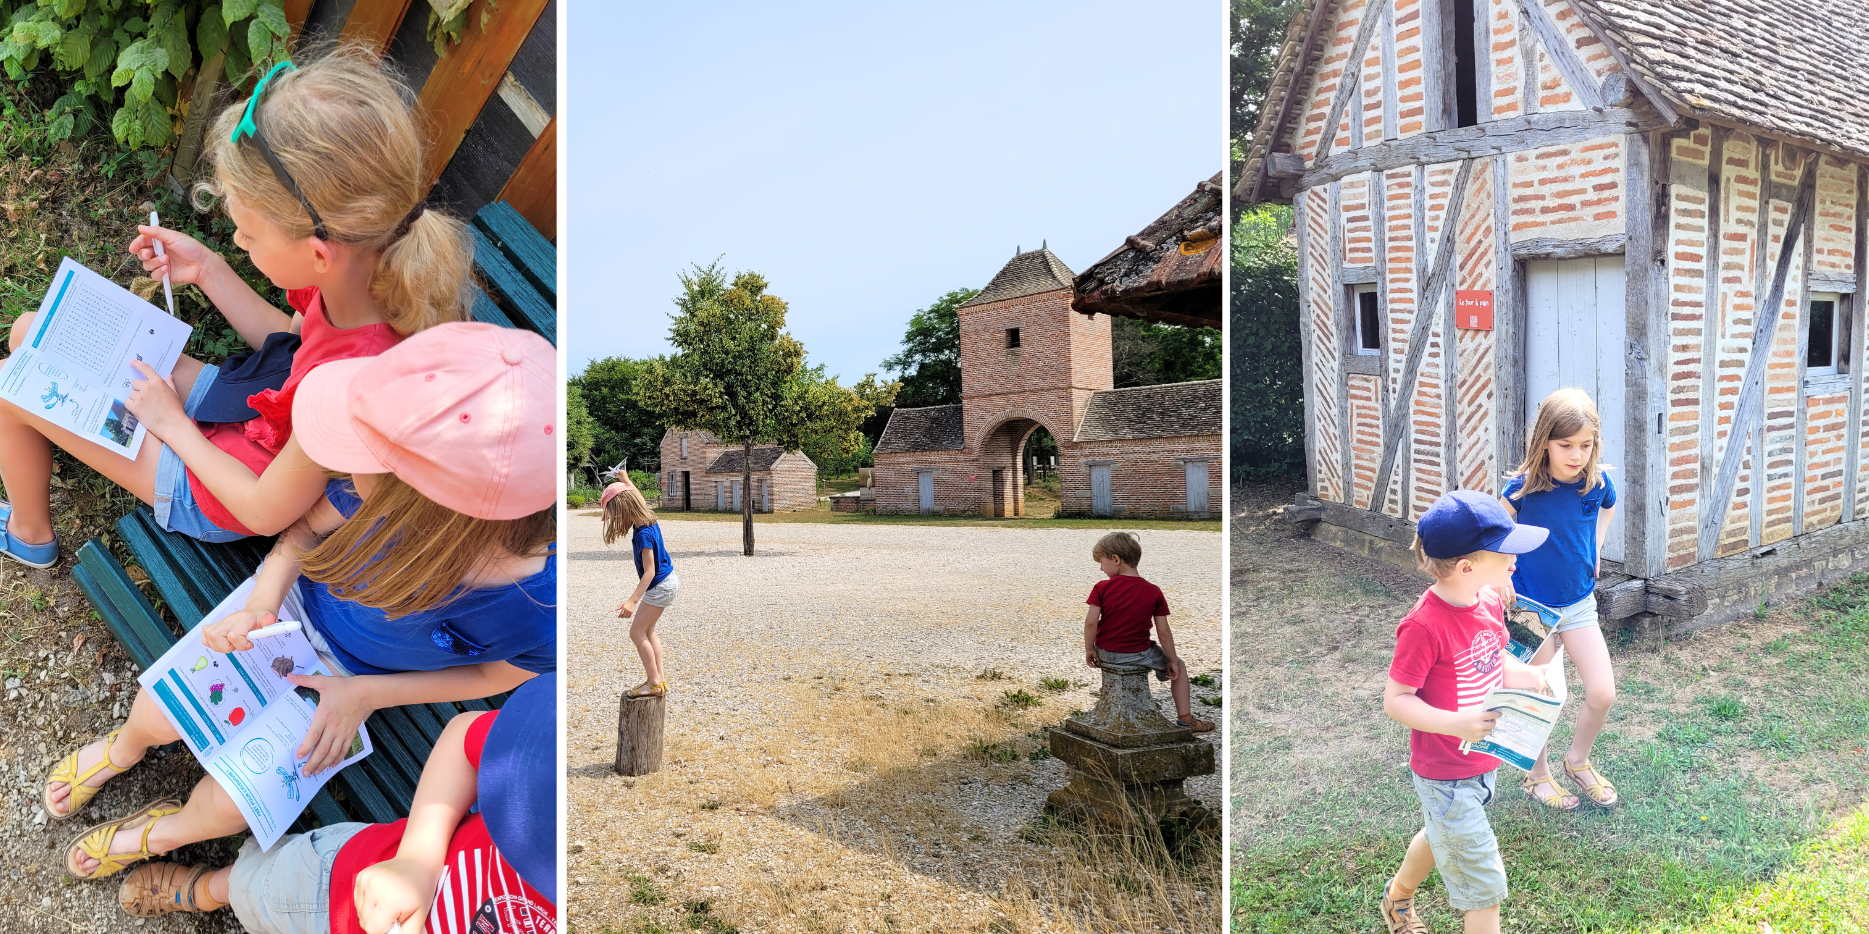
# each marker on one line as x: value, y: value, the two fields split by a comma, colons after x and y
x: 1562, y: 486
x: 321, y: 172
x: 429, y: 575
x: 627, y: 514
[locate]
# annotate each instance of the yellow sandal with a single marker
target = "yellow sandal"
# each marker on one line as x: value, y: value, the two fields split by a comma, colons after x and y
x: 647, y: 690
x: 1554, y: 801
x: 1600, y: 792
x: 96, y: 841
x: 66, y: 772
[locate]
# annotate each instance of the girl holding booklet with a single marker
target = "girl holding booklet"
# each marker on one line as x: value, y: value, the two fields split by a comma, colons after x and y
x: 321, y: 172
x: 450, y: 442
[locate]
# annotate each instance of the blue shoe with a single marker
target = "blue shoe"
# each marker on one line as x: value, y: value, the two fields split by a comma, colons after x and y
x: 38, y: 556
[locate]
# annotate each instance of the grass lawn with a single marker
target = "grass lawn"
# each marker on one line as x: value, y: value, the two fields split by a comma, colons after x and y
x: 1739, y: 753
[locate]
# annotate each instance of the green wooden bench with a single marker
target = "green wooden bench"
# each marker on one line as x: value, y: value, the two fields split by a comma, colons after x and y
x: 520, y: 268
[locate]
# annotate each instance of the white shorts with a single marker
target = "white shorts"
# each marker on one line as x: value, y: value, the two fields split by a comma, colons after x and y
x: 1577, y: 616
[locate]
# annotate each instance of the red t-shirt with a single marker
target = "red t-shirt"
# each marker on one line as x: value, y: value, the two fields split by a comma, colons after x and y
x: 257, y: 441
x: 1452, y: 656
x: 479, y: 891
x: 1130, y: 605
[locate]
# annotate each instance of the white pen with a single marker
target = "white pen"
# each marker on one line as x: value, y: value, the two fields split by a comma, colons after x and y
x: 166, y: 292
x: 275, y: 629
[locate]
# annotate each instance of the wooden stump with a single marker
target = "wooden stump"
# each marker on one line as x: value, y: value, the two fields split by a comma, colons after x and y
x: 639, y: 735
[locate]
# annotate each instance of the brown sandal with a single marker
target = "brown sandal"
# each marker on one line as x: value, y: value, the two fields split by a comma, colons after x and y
x: 160, y: 888
x: 1195, y: 723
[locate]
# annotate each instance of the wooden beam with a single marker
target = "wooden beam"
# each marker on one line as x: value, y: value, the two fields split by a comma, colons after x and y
x: 1438, y: 48
x: 1359, y: 275
x: 1832, y: 282
x: 1284, y: 165
x: 1508, y: 332
x: 1345, y: 84
x: 1487, y: 139
x: 1749, y: 410
x: 1306, y: 335
x: 1852, y: 434
x: 1800, y: 414
x: 1553, y: 248
x: 533, y: 187
x: 1306, y: 509
x: 1645, y: 360
x: 1711, y: 315
x: 1395, y: 423
x: 374, y: 22
x: 461, y: 82
x: 1345, y: 456
x: 1390, y: 108
x: 1563, y: 54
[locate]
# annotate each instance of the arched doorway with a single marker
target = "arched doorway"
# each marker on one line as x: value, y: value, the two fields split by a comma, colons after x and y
x: 1003, y: 456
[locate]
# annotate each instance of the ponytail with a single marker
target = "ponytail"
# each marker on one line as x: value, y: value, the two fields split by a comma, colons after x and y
x: 421, y: 278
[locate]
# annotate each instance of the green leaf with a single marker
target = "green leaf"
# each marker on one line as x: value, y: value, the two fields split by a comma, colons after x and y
x: 211, y: 32
x: 38, y: 33
x: 60, y: 127
x: 233, y: 11
x: 74, y: 50
x: 103, y: 54
x: 68, y: 8
x: 138, y: 66
x: 135, y: 25
x: 266, y: 35
x: 174, y: 37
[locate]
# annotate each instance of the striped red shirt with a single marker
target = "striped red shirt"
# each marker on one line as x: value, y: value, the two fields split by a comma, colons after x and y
x: 1452, y: 656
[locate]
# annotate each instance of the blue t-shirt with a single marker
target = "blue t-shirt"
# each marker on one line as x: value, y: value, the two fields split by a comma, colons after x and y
x: 650, y: 536
x: 1562, y: 570
x: 514, y: 623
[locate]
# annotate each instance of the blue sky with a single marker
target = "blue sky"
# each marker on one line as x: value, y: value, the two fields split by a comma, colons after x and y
x: 868, y: 157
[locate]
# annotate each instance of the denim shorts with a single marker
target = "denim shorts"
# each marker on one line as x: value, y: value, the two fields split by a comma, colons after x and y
x: 1578, y: 615
x: 1453, y: 812
x: 663, y: 594
x: 175, y: 506
x: 288, y: 889
x: 1152, y: 657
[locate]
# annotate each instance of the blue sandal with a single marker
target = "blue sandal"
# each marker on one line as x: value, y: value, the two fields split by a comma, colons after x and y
x: 38, y: 556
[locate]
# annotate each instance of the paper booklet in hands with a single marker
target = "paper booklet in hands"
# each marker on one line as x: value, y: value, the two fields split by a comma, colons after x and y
x: 244, y: 721
x: 1526, y: 716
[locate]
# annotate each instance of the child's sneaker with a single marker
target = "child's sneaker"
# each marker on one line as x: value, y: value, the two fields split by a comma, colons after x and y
x: 38, y: 556
x: 1399, y: 915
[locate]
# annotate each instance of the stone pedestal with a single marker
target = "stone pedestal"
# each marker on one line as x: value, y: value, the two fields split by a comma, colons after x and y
x: 1127, y: 762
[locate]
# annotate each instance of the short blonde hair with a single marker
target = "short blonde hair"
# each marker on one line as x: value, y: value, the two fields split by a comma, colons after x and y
x: 1119, y: 545
x: 1440, y: 568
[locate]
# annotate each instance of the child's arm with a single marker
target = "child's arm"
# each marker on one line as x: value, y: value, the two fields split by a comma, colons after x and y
x: 188, y: 260
x: 1166, y: 637
x: 1091, y: 621
x: 628, y: 609
x: 399, y: 890
x: 344, y: 703
x: 1523, y: 677
x: 1401, y: 704
x: 1603, y: 518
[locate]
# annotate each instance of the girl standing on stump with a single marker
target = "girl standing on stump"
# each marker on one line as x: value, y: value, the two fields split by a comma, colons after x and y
x: 627, y: 513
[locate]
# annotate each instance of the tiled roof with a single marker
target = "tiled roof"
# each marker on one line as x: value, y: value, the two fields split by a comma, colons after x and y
x: 1167, y: 410
x: 764, y: 457
x: 1028, y: 273
x: 935, y: 428
x: 1793, y: 67
x: 1169, y: 272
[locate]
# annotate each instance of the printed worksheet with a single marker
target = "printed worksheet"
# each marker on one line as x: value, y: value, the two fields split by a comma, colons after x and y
x: 75, y: 368
x: 244, y: 721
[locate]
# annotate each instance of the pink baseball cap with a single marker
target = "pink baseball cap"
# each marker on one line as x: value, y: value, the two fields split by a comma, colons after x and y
x: 465, y: 412
x: 611, y: 491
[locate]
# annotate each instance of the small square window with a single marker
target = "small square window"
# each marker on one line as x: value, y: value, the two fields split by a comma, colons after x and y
x: 1828, y: 336
x: 1368, y: 322
x: 1012, y: 338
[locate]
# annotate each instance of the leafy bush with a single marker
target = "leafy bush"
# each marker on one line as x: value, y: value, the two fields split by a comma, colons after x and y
x: 147, y: 47
x: 1268, y: 369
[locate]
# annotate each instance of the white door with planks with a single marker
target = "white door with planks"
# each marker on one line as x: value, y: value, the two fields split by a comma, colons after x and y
x: 1100, y: 503
x: 926, y: 479
x: 1197, y: 489
x: 1574, y: 336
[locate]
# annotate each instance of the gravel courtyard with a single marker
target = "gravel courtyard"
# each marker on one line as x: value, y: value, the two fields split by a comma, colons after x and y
x: 854, y: 733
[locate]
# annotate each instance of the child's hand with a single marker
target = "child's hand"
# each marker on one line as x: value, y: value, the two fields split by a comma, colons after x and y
x: 185, y: 259
x: 1090, y: 656
x: 154, y: 402
x: 395, y: 891
x: 1177, y: 669
x: 1526, y: 679
x: 343, y: 704
x: 1473, y: 725
x: 627, y: 610
x: 230, y: 633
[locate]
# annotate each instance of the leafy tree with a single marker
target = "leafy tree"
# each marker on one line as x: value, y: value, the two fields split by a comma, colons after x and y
x: 930, y: 359
x: 580, y: 429
x: 622, y: 428
x: 1144, y: 353
x: 737, y: 374
x: 1267, y: 387
x: 1258, y: 28
x: 839, y: 446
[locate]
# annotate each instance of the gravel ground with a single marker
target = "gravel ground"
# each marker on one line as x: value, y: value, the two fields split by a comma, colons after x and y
x: 839, y: 755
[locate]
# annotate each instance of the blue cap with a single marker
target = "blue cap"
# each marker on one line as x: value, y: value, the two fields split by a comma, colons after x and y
x: 518, y: 783
x: 1466, y: 521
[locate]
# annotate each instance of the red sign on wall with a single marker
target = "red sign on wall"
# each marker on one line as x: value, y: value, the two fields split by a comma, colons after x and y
x: 1473, y: 311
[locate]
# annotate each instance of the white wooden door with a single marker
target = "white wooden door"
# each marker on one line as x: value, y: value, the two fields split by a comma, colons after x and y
x: 736, y: 496
x: 926, y: 479
x: 1100, y: 489
x: 720, y: 496
x: 1575, y: 336
x: 1197, y: 488
x: 765, y: 495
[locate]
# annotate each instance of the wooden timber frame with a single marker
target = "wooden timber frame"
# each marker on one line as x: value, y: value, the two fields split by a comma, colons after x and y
x: 488, y: 104
x: 1742, y: 477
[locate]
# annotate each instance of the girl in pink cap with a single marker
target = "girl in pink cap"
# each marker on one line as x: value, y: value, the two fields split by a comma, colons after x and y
x: 626, y: 513
x: 428, y: 575
x: 321, y: 173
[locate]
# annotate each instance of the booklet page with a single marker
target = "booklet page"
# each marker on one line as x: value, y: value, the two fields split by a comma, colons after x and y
x: 1525, y: 718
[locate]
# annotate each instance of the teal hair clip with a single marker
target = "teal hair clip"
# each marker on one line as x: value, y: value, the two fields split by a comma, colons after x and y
x: 247, y: 128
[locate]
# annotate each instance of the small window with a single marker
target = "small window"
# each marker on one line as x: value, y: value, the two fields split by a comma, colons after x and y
x: 684, y: 447
x: 1012, y: 338
x: 1368, y: 322
x: 1827, y: 343
x: 1466, y: 65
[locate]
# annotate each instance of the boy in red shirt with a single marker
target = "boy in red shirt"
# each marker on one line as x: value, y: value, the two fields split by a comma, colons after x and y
x: 442, y: 870
x: 1116, y: 629
x: 1449, y: 651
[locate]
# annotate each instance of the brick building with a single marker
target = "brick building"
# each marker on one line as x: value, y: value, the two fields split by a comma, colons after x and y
x: 1445, y: 154
x: 1028, y: 360
x: 701, y: 472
